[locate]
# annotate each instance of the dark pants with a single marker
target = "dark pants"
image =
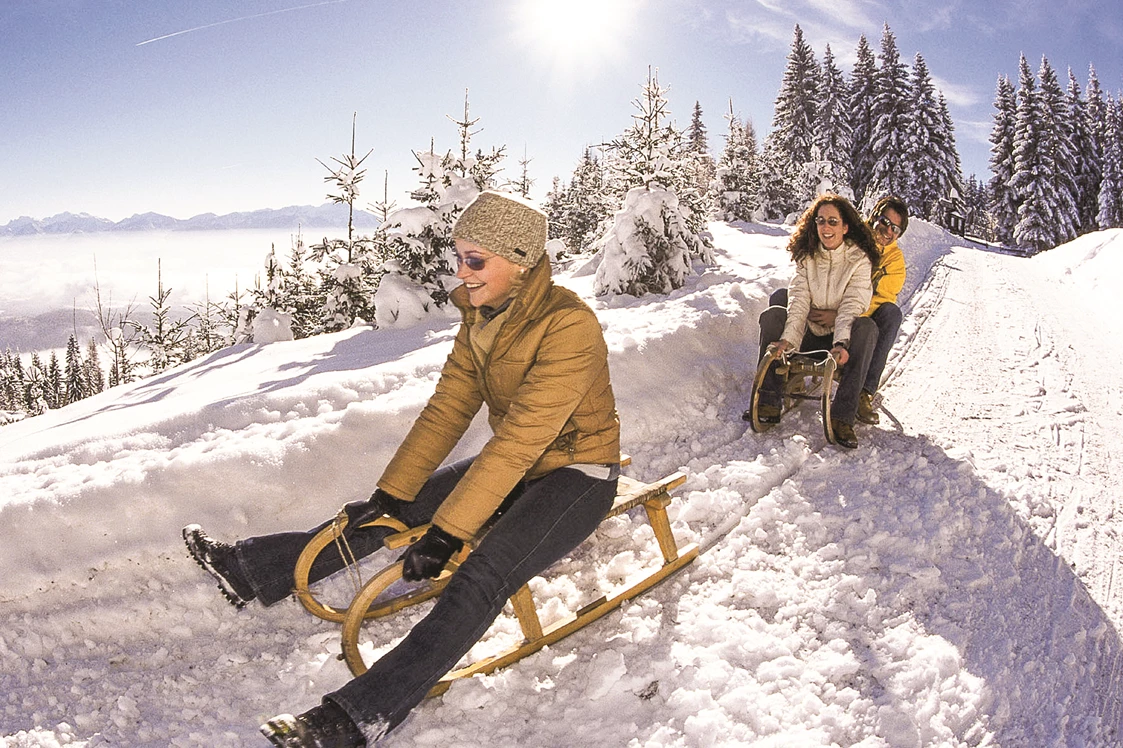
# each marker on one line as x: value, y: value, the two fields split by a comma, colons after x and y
x: 887, y: 317
x: 863, y: 340
x: 548, y: 518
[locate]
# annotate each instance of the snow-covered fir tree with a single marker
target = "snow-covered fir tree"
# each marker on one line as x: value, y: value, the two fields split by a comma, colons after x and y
x: 420, y: 271
x: 55, y: 393
x: 863, y: 92
x: 976, y: 202
x: 698, y: 145
x: 1086, y: 169
x: 1057, y: 139
x: 833, y: 131
x: 649, y: 246
x: 577, y: 212
x: 163, y: 338
x: 891, y: 173
x: 349, y: 267
x: 737, y: 179
x: 1032, y: 180
x: 1003, y: 201
x: 93, y: 378
x: 924, y: 146
x: 787, y: 147
x: 1095, y: 108
x: 75, y: 386
x: 949, y: 168
x: 1110, y: 213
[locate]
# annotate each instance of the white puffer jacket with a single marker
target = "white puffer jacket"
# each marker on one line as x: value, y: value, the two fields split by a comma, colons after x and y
x: 836, y: 279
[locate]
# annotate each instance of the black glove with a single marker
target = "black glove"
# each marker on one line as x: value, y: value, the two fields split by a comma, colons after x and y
x: 379, y: 503
x: 425, y: 558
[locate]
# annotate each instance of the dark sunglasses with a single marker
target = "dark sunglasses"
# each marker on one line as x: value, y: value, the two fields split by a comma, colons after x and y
x: 475, y: 263
x: 884, y: 222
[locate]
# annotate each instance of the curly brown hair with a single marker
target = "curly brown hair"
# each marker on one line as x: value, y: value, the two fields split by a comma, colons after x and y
x: 805, y: 239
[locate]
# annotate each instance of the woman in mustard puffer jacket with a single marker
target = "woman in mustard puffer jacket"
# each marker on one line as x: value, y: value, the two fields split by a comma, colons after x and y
x: 535, y: 354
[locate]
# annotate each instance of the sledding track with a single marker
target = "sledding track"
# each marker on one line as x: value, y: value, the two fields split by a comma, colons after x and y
x: 1019, y: 364
x: 1016, y: 386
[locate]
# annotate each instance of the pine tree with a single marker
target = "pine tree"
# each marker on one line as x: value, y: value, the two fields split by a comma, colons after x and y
x: 891, y: 173
x: 93, y: 379
x: 522, y: 185
x: 348, y: 279
x: 35, y: 400
x: 949, y: 169
x: 15, y: 382
x: 697, y: 144
x: 1087, y: 168
x: 833, y: 128
x: 979, y: 221
x: 75, y: 387
x: 1057, y: 139
x: 418, y: 240
x: 207, y: 320
x: 923, y: 142
x: 1110, y: 213
x: 1003, y: 200
x: 660, y: 229
x: 586, y: 205
x: 54, y: 391
x: 787, y: 148
x: 737, y: 188
x: 164, y: 338
x: 863, y: 92
x: 1033, y: 166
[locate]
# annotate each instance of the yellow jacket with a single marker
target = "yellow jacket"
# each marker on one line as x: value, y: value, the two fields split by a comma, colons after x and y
x: 550, y: 403
x: 888, y: 277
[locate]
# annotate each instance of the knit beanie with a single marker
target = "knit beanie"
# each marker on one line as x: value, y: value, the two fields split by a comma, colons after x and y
x: 506, y: 225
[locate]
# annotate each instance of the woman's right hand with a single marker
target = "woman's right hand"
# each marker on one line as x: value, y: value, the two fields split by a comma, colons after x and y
x: 780, y: 347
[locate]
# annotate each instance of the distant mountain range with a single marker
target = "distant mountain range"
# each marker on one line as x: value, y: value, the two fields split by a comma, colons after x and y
x: 310, y: 216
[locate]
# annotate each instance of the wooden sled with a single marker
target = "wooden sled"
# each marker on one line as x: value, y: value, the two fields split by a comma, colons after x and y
x: 808, y: 375
x: 386, y: 593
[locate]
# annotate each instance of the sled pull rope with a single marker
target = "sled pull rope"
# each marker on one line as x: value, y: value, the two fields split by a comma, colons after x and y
x: 345, y: 553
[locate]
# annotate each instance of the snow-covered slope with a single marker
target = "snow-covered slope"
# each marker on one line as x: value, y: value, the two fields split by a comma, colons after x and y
x: 951, y: 582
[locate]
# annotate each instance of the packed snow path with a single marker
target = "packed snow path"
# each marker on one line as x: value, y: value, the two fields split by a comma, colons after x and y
x: 918, y: 591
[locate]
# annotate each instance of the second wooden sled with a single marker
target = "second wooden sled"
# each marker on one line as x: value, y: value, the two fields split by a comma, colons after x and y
x: 372, y: 601
x: 808, y: 375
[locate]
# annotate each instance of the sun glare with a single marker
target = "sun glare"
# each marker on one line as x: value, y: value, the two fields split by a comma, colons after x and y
x: 575, y: 34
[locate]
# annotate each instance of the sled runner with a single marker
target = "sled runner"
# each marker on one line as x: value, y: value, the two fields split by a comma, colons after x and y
x: 386, y: 592
x: 807, y: 375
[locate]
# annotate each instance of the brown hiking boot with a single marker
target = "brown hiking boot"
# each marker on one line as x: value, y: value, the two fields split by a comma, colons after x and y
x: 844, y: 435
x: 867, y: 413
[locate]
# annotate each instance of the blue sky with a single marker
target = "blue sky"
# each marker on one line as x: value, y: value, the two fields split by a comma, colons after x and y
x: 114, y: 107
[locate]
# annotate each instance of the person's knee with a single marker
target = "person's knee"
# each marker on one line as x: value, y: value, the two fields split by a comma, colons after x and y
x: 863, y: 332
x: 779, y: 297
x: 888, y: 314
x: 773, y: 317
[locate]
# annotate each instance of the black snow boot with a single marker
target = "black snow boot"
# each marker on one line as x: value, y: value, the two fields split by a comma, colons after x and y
x: 218, y: 559
x: 324, y: 726
x: 844, y: 435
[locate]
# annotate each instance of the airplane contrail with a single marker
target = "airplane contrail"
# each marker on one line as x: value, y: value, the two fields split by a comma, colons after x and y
x: 243, y: 18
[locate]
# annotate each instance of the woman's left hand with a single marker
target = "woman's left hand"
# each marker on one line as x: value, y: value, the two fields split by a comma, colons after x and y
x: 841, y: 355
x: 427, y: 557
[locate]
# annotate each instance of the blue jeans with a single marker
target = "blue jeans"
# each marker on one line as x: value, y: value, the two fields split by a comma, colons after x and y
x: 887, y: 317
x: 550, y: 517
x: 268, y: 561
x: 863, y: 341
x: 541, y: 521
